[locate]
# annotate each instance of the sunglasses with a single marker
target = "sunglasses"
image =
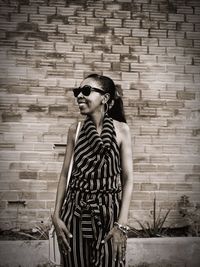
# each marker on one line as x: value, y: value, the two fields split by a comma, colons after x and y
x: 86, y: 90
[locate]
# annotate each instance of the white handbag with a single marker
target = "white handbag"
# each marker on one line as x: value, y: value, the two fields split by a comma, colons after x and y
x: 54, y: 253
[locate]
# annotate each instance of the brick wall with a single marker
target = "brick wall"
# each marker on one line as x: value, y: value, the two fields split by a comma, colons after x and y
x: 151, y: 50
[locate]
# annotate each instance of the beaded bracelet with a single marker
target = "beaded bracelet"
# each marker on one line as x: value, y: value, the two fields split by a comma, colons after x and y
x: 123, y: 228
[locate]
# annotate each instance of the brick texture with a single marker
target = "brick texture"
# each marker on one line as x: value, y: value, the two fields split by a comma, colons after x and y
x: 149, y: 48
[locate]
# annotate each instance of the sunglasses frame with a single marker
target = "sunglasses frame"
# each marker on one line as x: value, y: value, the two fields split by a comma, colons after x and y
x: 78, y: 90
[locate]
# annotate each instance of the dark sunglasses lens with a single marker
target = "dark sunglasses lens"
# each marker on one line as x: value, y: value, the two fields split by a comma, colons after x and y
x: 86, y: 90
x: 76, y: 91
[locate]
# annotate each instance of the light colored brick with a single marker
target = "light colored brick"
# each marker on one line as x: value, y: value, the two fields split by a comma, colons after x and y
x: 122, y: 32
x: 83, y: 47
x: 184, y: 10
x: 94, y: 21
x: 185, y: 26
x: 184, y: 43
x: 158, y: 33
x: 184, y: 78
x: 166, y: 25
x: 113, y: 22
x: 130, y: 23
x: 89, y: 30
x: 157, y: 50
x: 158, y: 16
x: 28, y: 9
x: 8, y: 26
x: 140, y: 33
x: 74, y: 57
x: 66, y: 11
x: 176, y: 17
x: 36, y: 205
x: 129, y: 76
x: 196, y: 43
x: 150, y: 94
x: 167, y: 42
x: 102, y: 65
x: 19, y: 17
x: 110, y: 57
x: 150, y: 41
x: 175, y: 51
x: 139, y: 50
x: 175, y: 69
x: 193, y: 18
x: 148, y: 58
x: 103, y: 13
x: 149, y: 187
x: 121, y: 14
x: 192, y: 35
x: 9, y: 155
x: 43, y: 27
x: 122, y: 49
x: 183, y: 60
x: 47, y: 10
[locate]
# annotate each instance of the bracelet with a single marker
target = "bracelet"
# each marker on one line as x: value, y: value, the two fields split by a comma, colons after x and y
x: 123, y: 228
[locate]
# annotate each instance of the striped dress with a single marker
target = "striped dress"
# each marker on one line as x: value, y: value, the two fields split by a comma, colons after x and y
x: 93, y: 196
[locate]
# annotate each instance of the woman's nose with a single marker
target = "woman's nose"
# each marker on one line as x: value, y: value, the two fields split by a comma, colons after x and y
x: 80, y: 95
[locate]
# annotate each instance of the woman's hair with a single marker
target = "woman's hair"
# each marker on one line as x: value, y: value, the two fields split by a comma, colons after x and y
x: 117, y: 110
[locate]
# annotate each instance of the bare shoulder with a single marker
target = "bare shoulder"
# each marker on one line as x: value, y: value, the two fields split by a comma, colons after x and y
x: 72, y: 130
x: 122, y: 131
x: 121, y: 127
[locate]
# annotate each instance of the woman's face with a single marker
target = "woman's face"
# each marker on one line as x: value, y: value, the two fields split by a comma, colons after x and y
x: 93, y: 102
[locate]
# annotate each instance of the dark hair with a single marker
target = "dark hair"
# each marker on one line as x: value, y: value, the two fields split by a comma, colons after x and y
x: 117, y: 110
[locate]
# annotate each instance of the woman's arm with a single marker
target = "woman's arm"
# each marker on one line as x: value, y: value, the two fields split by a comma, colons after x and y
x: 61, y: 189
x: 127, y: 173
x: 62, y: 232
x: 119, y: 238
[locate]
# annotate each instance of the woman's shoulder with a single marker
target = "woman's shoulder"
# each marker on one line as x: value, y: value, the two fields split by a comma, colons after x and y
x: 72, y: 129
x: 121, y: 127
x: 122, y: 131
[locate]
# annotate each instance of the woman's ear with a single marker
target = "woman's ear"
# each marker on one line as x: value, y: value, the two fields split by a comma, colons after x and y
x: 106, y: 98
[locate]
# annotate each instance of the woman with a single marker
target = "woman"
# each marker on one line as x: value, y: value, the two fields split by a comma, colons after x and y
x: 92, y: 224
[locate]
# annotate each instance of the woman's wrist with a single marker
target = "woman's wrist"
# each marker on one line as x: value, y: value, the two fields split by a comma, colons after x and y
x: 123, y: 228
x: 55, y: 216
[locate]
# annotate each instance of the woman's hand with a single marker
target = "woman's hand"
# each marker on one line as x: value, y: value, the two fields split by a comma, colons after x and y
x: 119, y: 243
x: 63, y: 235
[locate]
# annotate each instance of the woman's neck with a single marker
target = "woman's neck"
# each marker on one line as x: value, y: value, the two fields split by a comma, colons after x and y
x: 97, y: 118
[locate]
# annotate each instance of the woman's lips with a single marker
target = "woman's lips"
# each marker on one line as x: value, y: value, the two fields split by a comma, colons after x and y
x: 82, y: 103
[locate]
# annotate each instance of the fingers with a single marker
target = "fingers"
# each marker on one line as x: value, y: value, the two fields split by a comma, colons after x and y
x: 63, y: 243
x: 67, y: 232
x: 115, y: 250
x: 109, y: 235
x: 66, y: 245
x: 118, y: 244
x: 119, y: 250
x: 120, y: 253
x: 123, y: 253
x: 63, y: 234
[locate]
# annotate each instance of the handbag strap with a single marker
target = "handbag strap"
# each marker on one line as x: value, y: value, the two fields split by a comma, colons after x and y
x: 71, y: 161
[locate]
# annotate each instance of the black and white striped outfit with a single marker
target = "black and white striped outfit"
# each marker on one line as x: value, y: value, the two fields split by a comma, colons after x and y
x: 93, y: 197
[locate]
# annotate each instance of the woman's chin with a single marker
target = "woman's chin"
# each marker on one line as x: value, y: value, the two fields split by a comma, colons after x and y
x: 84, y: 111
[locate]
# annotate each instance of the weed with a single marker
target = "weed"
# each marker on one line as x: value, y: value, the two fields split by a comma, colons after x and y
x: 154, y: 228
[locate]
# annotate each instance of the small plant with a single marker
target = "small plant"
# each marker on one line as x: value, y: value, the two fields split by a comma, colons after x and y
x: 191, y: 213
x: 42, y: 229
x: 154, y: 228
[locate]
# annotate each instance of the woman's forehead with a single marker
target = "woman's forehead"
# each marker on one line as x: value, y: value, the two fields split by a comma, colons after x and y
x: 91, y: 82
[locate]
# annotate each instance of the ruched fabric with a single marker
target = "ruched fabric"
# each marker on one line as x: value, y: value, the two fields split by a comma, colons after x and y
x: 93, y: 196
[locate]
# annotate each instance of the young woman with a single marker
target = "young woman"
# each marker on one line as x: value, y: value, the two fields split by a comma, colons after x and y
x: 92, y: 224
